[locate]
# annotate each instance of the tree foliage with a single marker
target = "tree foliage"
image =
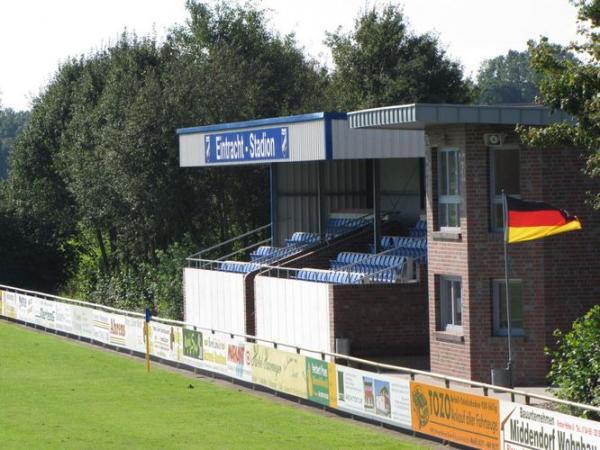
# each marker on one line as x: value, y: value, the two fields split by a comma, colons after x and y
x: 576, y: 361
x: 11, y: 124
x: 572, y: 85
x: 96, y: 170
x: 507, y: 79
x: 382, y: 62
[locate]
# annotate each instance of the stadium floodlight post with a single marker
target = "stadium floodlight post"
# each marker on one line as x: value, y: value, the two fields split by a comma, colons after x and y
x: 506, y: 285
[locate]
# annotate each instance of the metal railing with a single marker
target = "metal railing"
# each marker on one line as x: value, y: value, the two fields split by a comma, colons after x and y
x: 230, y: 242
x: 379, y: 367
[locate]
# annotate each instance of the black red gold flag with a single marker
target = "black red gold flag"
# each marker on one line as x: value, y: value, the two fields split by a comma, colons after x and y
x: 536, y: 220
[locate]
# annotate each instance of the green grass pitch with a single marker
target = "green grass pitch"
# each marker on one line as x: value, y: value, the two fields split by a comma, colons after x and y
x: 62, y: 395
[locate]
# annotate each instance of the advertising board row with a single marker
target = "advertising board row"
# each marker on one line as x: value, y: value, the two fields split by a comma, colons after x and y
x: 460, y: 417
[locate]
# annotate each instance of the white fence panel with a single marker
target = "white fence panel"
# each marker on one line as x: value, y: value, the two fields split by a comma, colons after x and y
x: 293, y: 311
x: 215, y: 300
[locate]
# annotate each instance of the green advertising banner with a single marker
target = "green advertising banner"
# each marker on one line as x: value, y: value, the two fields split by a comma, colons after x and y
x: 192, y: 344
x: 317, y: 381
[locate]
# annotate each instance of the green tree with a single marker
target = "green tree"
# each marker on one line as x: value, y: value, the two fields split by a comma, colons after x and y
x: 98, y: 163
x: 575, y: 369
x: 572, y: 85
x: 382, y: 62
x: 507, y: 79
x: 11, y: 124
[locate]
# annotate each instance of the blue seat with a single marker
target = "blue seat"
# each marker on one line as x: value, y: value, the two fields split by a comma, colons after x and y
x: 238, y: 266
x: 301, y: 238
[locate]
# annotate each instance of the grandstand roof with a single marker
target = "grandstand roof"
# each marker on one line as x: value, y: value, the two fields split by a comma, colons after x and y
x: 417, y: 115
x: 307, y: 137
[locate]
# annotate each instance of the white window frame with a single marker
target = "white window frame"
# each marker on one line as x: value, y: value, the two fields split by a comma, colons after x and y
x: 496, y: 304
x: 448, y: 199
x: 496, y: 199
x: 449, y: 304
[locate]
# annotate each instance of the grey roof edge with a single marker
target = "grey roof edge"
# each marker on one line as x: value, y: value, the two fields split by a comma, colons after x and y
x: 284, y: 120
x: 418, y: 115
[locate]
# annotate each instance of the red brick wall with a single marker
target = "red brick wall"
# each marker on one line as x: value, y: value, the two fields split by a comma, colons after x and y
x: 381, y: 319
x: 551, y: 270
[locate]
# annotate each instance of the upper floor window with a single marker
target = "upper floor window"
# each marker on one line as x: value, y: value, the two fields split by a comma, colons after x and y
x: 504, y: 174
x: 449, y: 188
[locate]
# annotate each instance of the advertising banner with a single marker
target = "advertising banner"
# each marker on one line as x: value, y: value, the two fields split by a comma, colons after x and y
x: 64, y: 320
x: 83, y: 321
x: 385, y: 398
x: 25, y: 308
x: 117, y: 334
x: 192, y: 344
x: 525, y: 427
x: 134, y: 334
x: 320, y: 382
x: 165, y: 341
x: 10, y: 304
x: 279, y: 370
x: 455, y: 416
x: 239, y: 358
x: 101, y: 326
x: 214, y: 347
x: 248, y: 145
x: 44, y: 312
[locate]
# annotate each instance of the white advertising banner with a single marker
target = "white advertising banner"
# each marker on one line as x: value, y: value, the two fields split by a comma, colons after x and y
x: 44, y: 312
x: 239, y: 360
x: 83, y: 321
x: 118, y: 330
x: 165, y: 341
x: 101, y: 326
x: 25, y: 308
x: 134, y: 336
x: 9, y: 302
x: 214, y: 348
x: 525, y: 428
x: 384, y: 398
x: 64, y: 317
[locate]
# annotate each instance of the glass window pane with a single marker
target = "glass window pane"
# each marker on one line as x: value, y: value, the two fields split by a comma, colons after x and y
x: 443, y: 169
x: 516, y: 310
x: 443, y: 215
x: 452, y: 215
x: 498, y: 222
x: 452, y: 173
x: 457, y: 304
x: 506, y: 173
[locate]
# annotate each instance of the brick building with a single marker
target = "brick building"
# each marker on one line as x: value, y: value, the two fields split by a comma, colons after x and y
x: 472, y: 154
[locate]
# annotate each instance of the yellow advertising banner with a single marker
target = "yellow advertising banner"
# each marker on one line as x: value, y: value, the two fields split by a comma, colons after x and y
x: 279, y: 370
x: 332, y: 385
x: 455, y: 416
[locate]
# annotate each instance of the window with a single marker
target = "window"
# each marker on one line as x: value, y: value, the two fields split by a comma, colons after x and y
x: 499, y: 307
x: 448, y: 188
x: 450, y: 311
x: 504, y: 174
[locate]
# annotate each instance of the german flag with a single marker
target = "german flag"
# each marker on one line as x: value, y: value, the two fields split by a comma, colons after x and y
x: 536, y: 220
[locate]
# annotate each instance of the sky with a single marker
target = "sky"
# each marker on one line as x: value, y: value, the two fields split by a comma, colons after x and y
x: 36, y: 35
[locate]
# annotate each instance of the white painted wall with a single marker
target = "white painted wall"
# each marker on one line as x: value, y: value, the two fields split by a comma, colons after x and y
x: 293, y: 311
x: 215, y: 300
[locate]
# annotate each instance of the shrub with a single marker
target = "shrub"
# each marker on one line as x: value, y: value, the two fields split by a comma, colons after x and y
x: 575, y: 364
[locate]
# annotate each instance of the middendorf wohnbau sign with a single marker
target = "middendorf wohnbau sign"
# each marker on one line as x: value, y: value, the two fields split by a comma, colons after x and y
x: 267, y: 144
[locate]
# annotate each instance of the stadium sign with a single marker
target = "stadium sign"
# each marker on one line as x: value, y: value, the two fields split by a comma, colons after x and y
x: 267, y: 144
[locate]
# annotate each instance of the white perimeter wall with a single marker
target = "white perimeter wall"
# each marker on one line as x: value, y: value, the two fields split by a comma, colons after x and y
x: 215, y: 300
x: 293, y: 311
